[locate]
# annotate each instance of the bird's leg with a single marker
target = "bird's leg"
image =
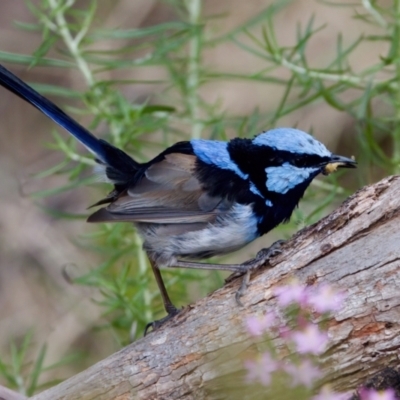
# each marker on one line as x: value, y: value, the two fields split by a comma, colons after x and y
x: 169, y: 307
x: 236, y: 268
x: 245, y: 268
x: 261, y: 258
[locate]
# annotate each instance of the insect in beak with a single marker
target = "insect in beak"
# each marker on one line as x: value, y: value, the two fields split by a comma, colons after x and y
x: 338, y: 162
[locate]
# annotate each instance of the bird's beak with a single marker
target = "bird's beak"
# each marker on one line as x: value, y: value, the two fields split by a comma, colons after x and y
x: 338, y: 162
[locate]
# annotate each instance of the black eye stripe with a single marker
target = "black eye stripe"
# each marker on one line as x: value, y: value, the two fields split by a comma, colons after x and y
x: 251, y: 158
x: 307, y: 160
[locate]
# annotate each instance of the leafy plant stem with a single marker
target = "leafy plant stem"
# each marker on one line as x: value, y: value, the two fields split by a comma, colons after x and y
x: 374, y: 13
x: 72, y: 43
x: 193, y: 70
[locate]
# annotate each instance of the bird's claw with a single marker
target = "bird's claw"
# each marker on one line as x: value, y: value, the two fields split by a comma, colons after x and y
x: 155, y: 325
x: 242, y: 289
x: 262, y: 257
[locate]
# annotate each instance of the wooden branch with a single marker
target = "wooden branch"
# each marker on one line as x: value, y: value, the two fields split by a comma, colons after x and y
x: 7, y: 394
x: 356, y: 248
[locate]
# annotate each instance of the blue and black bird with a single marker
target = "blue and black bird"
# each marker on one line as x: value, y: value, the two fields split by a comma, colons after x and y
x: 200, y: 198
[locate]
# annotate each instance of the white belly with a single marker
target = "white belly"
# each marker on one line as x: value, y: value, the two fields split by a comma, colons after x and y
x: 165, y: 243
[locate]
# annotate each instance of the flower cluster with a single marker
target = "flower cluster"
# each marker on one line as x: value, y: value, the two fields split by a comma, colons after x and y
x: 303, y: 338
x: 321, y: 299
x: 372, y: 394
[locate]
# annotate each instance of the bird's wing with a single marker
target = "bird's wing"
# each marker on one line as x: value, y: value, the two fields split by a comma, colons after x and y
x: 168, y: 193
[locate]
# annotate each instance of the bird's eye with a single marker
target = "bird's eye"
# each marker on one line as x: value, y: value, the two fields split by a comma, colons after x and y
x: 300, y: 162
x: 305, y: 160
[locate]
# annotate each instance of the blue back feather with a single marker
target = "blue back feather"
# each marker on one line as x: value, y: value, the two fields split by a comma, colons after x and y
x: 215, y: 152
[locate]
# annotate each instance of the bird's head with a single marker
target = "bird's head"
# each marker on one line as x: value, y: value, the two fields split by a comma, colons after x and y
x: 297, y: 158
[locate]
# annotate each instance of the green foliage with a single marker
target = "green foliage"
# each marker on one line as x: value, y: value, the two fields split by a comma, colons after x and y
x: 22, y: 372
x: 377, y: 82
x: 129, y: 295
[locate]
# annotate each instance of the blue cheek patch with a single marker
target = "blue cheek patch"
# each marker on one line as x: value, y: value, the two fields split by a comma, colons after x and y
x: 282, y: 179
x: 215, y: 152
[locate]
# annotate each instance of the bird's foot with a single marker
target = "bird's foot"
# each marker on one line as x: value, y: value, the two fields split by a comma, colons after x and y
x: 155, y: 325
x: 262, y: 257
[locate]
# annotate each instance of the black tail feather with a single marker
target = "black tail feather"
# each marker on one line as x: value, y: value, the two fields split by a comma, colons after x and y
x: 120, y: 167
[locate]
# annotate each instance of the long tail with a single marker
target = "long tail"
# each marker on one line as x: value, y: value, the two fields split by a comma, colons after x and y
x: 119, y: 166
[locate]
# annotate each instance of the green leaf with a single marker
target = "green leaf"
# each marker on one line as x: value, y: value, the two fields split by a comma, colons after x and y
x: 36, y: 371
x: 28, y: 60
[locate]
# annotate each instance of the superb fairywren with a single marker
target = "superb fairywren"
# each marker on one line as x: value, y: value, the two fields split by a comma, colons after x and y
x: 200, y: 198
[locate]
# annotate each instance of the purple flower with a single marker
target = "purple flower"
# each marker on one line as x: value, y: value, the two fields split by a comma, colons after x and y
x: 325, y: 299
x: 293, y: 293
x: 327, y: 394
x: 261, y: 369
x: 306, y: 373
x: 310, y: 340
x: 256, y: 326
x: 372, y: 394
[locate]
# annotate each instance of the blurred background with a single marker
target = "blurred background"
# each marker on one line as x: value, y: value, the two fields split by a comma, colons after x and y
x: 143, y: 75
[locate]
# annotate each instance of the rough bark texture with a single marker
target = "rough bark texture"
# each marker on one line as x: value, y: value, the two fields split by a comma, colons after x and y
x: 356, y: 248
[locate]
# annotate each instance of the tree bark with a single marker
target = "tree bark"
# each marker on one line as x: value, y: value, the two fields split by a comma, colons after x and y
x: 7, y: 394
x: 201, y: 350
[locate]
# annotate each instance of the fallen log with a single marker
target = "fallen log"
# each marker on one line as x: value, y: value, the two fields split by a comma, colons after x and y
x: 195, y: 355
